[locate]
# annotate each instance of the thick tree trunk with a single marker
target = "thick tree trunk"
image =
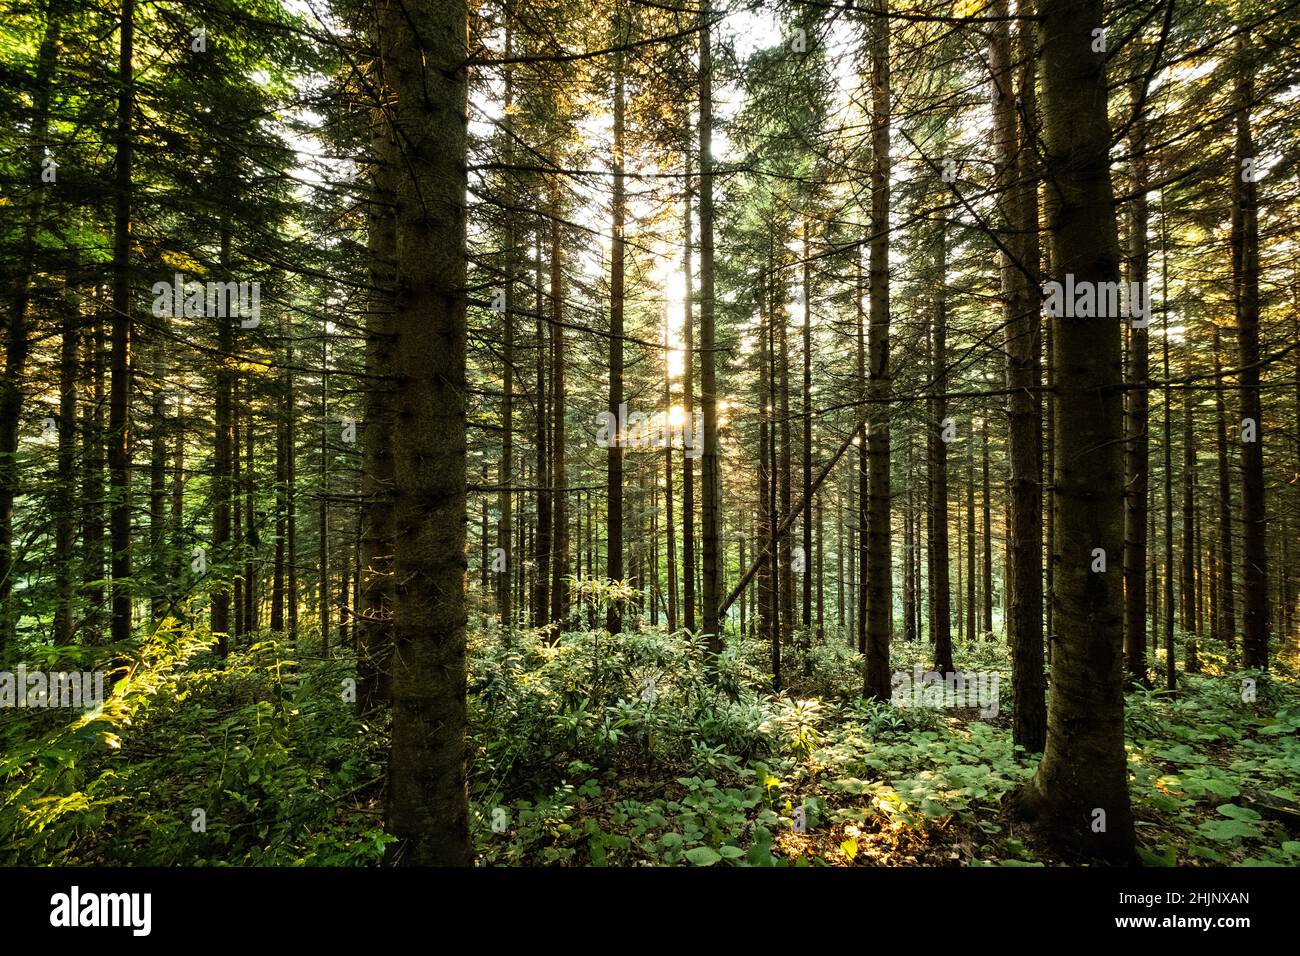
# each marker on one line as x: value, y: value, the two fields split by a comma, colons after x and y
x: 427, y: 801
x: 1080, y: 791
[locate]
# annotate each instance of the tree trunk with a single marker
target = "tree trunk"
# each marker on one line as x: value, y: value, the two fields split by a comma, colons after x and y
x: 1227, y: 588
x: 375, y: 613
x: 236, y: 500
x: 1190, y: 665
x: 783, y: 473
x: 986, y: 607
x: 670, y: 524
x: 1137, y: 442
x: 807, y: 445
x: 1245, y: 260
x: 940, y: 586
x: 708, y: 358
x: 688, y: 403
x: 970, y: 536
x: 323, y: 513
x: 876, y: 682
x: 1171, y: 680
x: 427, y: 800
x: 542, y: 539
x: 614, y: 454
x: 16, y: 341
x: 221, y: 462
x: 559, y: 483
x: 65, y: 532
x: 505, y: 477
x: 119, y: 403
x: 768, y: 632
x: 1080, y: 790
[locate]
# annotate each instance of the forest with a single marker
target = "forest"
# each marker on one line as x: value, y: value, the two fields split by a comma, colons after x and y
x: 639, y: 433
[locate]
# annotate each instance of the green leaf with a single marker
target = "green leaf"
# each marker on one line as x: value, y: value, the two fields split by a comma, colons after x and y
x: 1239, y: 813
x: 1226, y: 829
x: 703, y: 856
x: 1157, y: 856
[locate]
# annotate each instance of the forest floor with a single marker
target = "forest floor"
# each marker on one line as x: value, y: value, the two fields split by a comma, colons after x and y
x: 597, y: 751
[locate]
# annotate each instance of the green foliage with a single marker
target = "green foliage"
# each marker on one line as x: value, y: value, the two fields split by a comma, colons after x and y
x: 267, y: 750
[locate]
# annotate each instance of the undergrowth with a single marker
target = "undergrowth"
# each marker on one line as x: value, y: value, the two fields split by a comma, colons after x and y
x: 587, y: 749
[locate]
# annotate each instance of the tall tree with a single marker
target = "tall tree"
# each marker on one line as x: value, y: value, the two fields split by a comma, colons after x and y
x: 119, y: 403
x: 1080, y: 790
x: 614, y: 454
x: 876, y: 679
x: 428, y: 808
x: 1245, y: 262
x: 712, y: 569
